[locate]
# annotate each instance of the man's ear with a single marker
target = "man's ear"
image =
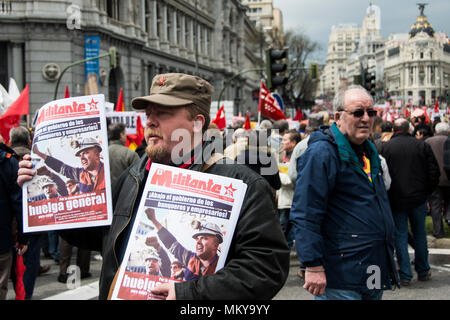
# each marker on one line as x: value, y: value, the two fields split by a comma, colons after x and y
x: 199, y: 121
x: 337, y: 118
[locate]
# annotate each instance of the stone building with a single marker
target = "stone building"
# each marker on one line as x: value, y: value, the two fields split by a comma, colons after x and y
x: 39, y: 38
x: 417, y: 65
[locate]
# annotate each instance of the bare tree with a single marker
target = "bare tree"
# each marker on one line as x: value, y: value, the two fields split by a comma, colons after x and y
x: 301, y: 86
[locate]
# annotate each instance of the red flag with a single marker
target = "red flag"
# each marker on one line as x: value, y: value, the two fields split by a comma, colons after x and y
x: 11, y: 118
x: 427, y: 118
x: 220, y: 120
x: 120, y: 106
x: 407, y: 113
x: 268, y: 105
x: 67, y: 93
x: 135, y: 140
x: 298, y: 115
x: 19, y: 270
x: 247, y: 125
x: 436, y: 107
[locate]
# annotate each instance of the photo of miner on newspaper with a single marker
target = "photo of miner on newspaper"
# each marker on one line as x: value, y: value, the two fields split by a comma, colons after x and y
x: 207, y: 238
x: 153, y: 260
x: 91, y: 175
x: 51, y: 185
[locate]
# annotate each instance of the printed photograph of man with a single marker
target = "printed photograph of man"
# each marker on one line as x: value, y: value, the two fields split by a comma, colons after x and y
x: 207, y: 238
x: 91, y: 175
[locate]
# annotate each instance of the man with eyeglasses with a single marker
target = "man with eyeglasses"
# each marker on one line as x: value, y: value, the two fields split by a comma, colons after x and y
x: 343, y: 222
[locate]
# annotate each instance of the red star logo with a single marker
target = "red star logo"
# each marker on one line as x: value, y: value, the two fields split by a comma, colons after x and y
x: 229, y: 190
x: 162, y: 81
x: 93, y: 104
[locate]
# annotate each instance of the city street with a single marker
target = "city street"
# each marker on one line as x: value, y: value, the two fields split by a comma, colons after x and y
x: 438, y: 288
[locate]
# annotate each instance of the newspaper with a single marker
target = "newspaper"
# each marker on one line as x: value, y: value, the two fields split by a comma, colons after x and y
x: 184, y: 217
x: 72, y: 187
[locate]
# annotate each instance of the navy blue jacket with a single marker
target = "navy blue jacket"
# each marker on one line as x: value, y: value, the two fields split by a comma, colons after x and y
x: 10, y: 199
x: 343, y: 221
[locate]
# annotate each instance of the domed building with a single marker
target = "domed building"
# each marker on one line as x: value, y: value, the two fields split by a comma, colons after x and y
x: 417, y: 65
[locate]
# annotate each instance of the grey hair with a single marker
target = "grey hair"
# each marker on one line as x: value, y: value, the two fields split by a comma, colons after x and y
x: 339, y: 98
x: 442, y: 127
x: 19, y: 136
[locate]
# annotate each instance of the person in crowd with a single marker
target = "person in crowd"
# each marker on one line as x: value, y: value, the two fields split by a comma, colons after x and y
x: 177, y: 270
x: 120, y: 157
x: 20, y: 142
x: 258, y: 259
x: 376, y: 128
x: 250, y: 148
x: 440, y: 198
x: 422, y: 130
x: 343, y: 222
x: 415, y: 175
x: 315, y: 120
x: 386, y: 134
x: 11, y: 204
x: 279, y: 128
x: 286, y: 192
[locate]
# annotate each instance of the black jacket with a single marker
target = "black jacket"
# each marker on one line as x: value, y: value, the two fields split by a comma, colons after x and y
x: 10, y: 200
x: 257, y: 265
x: 413, y: 169
x: 446, y: 161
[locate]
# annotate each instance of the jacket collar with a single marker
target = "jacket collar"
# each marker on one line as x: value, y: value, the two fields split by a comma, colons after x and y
x: 347, y: 154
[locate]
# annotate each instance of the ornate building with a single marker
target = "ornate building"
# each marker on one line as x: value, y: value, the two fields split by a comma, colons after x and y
x: 417, y: 67
x: 39, y: 38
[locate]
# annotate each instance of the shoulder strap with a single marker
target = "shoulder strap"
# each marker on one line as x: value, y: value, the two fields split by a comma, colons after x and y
x: 213, y: 159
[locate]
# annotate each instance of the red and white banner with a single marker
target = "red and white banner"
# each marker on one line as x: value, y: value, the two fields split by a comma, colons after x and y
x: 268, y: 106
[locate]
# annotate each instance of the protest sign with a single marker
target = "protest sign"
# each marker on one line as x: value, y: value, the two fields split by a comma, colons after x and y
x: 72, y: 187
x: 182, y: 231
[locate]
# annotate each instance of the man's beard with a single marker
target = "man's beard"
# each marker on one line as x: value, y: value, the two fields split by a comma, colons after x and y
x: 158, y: 154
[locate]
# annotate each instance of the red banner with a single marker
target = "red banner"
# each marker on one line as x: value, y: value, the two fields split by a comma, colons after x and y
x: 268, y: 105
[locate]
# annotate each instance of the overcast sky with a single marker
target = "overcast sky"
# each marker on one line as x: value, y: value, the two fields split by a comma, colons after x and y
x: 315, y: 17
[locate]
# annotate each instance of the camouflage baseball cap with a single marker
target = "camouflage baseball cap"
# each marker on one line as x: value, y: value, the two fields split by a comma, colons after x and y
x: 177, y: 90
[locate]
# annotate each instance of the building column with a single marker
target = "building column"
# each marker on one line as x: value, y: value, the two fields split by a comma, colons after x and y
x: 182, y: 40
x: 174, y: 26
x: 17, y: 71
x: 190, y: 45
x: 164, y: 41
x: 152, y: 22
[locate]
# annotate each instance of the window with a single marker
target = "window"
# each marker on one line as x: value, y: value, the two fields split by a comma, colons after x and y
x: 112, y: 9
x: 4, y: 79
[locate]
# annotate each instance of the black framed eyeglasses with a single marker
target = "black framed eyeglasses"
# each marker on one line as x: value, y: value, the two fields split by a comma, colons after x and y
x: 359, y: 113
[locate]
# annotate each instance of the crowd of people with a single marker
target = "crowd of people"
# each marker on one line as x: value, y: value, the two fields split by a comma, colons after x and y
x: 340, y: 189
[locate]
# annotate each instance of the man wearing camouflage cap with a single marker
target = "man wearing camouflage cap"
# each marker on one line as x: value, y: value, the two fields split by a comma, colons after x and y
x: 177, y: 111
x: 91, y: 175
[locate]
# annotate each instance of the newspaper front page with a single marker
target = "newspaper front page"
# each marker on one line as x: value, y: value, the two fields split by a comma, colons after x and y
x: 182, y: 230
x: 72, y: 187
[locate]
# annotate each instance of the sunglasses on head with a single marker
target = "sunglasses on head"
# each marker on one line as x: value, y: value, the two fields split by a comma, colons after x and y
x: 359, y: 113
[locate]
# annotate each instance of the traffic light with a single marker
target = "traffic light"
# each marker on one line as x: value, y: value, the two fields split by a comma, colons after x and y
x: 370, y: 79
x: 274, y: 66
x: 314, y: 70
x: 112, y: 57
x: 370, y: 83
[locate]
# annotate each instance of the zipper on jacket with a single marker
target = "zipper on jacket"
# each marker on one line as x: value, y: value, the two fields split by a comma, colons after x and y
x: 128, y: 222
